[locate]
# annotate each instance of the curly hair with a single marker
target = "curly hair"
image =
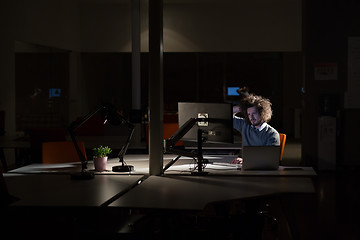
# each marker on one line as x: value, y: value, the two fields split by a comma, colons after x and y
x: 262, y: 104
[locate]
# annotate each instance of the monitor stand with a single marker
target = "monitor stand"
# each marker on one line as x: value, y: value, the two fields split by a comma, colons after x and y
x: 200, y: 159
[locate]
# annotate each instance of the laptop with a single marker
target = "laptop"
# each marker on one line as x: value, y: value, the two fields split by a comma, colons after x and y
x: 260, y: 157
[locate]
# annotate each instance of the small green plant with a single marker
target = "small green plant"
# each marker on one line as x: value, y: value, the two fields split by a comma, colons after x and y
x: 101, y: 151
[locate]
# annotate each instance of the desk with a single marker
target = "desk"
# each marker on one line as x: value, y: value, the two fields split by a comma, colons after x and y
x: 59, y: 190
x: 56, y: 207
x: 49, y: 185
x: 195, y: 192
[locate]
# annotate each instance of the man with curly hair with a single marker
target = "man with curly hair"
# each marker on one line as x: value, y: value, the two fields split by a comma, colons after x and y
x: 254, y: 127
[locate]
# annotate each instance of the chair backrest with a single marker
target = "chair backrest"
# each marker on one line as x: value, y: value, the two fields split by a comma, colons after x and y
x: 282, y: 144
x: 61, y: 152
x: 168, y: 130
x: 41, y: 135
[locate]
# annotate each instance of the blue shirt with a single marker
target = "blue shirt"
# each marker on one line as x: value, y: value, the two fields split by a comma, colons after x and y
x: 265, y: 135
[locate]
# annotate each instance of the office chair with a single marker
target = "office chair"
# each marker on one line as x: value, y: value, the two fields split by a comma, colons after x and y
x: 40, y: 135
x: 61, y: 152
x: 282, y: 144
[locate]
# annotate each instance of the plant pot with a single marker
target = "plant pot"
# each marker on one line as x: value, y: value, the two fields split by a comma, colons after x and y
x: 100, y: 163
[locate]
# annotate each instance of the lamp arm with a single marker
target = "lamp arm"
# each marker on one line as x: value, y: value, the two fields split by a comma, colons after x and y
x: 170, y: 142
x: 80, y: 154
x: 71, y: 129
x: 125, y: 147
x: 181, y: 132
x: 75, y: 124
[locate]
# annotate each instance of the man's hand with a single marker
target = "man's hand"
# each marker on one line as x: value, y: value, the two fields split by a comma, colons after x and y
x: 236, y: 109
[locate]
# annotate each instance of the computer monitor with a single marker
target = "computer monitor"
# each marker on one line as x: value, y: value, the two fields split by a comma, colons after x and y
x: 217, y: 126
x: 232, y: 91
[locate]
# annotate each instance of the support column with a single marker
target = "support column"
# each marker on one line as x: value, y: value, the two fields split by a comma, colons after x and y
x: 135, y: 56
x: 155, y: 87
x: 136, y: 113
x: 7, y: 79
x: 78, y: 104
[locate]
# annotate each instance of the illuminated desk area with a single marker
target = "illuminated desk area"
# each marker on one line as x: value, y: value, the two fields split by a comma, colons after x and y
x: 218, y: 165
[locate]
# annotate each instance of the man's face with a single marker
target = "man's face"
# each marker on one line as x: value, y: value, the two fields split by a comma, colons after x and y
x: 254, y: 116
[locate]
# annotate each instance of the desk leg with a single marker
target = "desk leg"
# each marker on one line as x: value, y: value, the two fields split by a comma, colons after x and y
x: 3, y: 161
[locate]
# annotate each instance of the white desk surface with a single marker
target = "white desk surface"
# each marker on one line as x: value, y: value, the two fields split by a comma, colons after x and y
x: 219, y: 165
x: 195, y: 192
x: 61, y: 190
x: 139, y: 161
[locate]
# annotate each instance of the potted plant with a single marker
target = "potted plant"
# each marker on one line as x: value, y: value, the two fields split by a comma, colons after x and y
x: 100, y: 156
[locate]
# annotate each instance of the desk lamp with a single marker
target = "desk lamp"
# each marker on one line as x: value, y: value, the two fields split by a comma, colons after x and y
x: 111, y: 116
x: 114, y: 118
